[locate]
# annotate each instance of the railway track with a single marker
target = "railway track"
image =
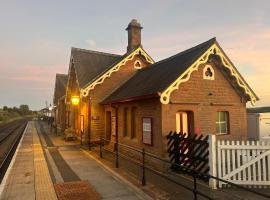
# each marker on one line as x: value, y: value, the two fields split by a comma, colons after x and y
x: 10, y: 135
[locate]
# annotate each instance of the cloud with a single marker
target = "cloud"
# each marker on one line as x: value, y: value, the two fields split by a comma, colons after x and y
x: 91, y: 44
x: 247, y: 46
x: 27, y: 78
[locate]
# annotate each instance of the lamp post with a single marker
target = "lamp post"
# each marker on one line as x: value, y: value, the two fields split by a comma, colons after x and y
x: 89, y: 124
x: 75, y: 100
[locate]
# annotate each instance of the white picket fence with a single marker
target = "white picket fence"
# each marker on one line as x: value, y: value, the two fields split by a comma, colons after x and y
x: 240, y: 162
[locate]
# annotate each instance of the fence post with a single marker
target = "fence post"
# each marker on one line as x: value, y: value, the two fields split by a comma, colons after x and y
x: 195, y: 186
x: 143, y: 166
x: 212, y: 161
x: 100, y: 147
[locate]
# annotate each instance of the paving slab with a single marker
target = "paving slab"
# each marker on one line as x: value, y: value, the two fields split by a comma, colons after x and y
x: 28, y: 176
x: 88, y: 169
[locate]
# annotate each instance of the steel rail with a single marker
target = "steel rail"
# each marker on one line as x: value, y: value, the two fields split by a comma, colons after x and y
x: 8, y: 156
x: 9, y: 132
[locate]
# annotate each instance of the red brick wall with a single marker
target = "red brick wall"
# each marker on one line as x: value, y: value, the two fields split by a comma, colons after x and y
x: 193, y: 95
x: 103, y: 90
x: 144, y: 108
x: 61, y: 115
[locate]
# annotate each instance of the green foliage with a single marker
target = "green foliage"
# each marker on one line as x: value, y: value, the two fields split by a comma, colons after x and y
x: 8, y: 114
x: 24, y: 109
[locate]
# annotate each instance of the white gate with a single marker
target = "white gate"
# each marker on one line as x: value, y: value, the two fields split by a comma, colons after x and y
x: 244, y: 162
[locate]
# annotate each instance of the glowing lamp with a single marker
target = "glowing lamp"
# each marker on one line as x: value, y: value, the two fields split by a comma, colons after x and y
x: 75, y: 100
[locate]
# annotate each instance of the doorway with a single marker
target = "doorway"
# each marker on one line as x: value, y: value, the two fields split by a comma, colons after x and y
x: 184, y: 122
x: 108, y: 127
x: 184, y: 125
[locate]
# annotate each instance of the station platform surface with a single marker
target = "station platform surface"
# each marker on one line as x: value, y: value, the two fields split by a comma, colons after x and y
x: 47, y: 167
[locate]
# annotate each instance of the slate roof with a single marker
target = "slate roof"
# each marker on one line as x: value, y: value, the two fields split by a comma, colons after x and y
x: 60, y: 87
x: 157, y: 77
x: 259, y: 110
x: 90, y: 64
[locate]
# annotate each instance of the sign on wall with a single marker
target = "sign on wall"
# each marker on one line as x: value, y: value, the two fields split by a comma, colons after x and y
x: 147, y: 130
x: 113, y: 125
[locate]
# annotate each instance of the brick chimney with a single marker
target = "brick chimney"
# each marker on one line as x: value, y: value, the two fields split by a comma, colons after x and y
x: 134, y: 35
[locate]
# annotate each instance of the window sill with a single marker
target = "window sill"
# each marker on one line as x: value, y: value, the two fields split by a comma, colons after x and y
x: 222, y: 133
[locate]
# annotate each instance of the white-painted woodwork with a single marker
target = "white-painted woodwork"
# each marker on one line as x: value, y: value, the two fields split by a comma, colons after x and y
x: 242, y: 162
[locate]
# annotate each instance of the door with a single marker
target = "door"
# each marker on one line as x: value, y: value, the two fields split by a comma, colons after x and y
x: 184, y: 122
x: 108, y: 125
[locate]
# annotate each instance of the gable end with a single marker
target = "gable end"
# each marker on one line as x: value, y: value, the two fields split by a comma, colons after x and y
x: 213, y: 50
x: 115, y: 68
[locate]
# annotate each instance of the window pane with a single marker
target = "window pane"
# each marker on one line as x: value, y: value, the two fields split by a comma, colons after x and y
x: 223, y: 128
x: 217, y: 117
x: 217, y: 128
x: 222, y: 116
x: 222, y: 122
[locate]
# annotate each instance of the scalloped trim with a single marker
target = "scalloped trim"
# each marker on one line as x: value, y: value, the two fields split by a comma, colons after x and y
x: 100, y: 80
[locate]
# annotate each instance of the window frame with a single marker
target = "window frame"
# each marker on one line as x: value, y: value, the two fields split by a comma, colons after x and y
x: 190, y: 121
x: 206, y: 67
x: 137, y: 62
x: 219, y: 122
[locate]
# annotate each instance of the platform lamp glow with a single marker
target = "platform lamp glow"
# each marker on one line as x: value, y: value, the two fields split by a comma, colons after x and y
x: 75, y: 100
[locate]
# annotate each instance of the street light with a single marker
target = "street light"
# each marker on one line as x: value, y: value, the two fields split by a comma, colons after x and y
x: 75, y: 100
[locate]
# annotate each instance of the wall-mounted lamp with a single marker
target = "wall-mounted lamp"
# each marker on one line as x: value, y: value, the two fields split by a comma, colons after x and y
x: 75, y: 100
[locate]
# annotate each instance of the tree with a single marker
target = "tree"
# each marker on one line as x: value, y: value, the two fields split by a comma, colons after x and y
x: 24, y: 109
x: 5, y: 108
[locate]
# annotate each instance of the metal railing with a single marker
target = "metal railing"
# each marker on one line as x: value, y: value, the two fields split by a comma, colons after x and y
x: 142, y: 163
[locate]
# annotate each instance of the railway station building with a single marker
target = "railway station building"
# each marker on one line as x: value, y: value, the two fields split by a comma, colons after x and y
x: 59, y: 102
x: 140, y: 101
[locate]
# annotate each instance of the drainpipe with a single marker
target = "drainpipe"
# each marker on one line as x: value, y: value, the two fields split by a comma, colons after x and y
x: 89, y: 124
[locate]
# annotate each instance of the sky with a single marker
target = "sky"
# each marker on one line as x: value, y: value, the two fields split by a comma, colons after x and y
x: 36, y: 37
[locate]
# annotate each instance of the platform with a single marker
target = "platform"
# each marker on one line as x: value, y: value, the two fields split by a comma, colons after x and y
x: 47, y: 167
x: 28, y: 176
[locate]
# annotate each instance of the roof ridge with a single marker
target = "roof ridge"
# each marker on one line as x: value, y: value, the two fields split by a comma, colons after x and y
x: 180, y: 53
x: 92, y: 51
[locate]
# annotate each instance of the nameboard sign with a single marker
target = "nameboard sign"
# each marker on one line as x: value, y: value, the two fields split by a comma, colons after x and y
x: 113, y: 124
x: 147, y: 130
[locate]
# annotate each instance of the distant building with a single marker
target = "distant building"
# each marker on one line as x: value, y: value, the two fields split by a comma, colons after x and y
x: 59, y: 102
x: 130, y: 96
x: 259, y: 123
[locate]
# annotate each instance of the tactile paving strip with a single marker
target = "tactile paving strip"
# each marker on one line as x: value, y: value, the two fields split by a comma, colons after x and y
x: 79, y: 190
x: 43, y: 183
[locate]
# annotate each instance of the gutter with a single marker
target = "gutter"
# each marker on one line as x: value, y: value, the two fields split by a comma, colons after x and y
x: 136, y: 98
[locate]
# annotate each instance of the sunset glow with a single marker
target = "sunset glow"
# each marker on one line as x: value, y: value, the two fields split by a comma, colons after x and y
x: 37, y: 36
